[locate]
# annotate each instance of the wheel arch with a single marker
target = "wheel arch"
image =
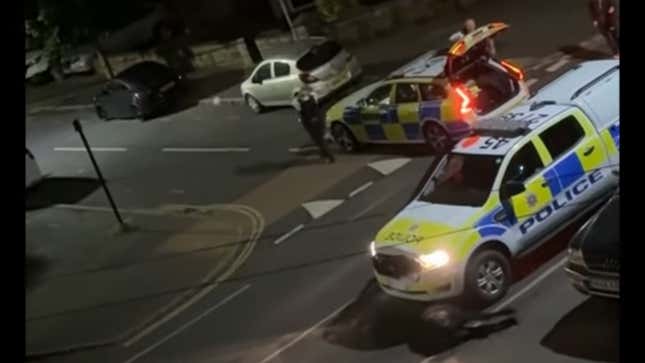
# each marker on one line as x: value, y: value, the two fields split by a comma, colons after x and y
x: 493, y: 244
x: 426, y: 121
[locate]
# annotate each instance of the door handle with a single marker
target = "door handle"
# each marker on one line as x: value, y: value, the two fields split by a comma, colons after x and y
x: 500, y: 216
x: 589, y: 151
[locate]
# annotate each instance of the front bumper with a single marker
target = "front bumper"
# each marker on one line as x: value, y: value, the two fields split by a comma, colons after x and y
x: 424, y: 285
x: 592, y: 282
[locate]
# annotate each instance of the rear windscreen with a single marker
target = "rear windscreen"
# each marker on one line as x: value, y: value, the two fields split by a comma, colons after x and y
x: 148, y: 74
x: 318, y: 55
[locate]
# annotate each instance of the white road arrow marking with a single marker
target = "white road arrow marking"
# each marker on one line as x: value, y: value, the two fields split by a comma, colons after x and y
x: 388, y: 166
x: 319, y: 208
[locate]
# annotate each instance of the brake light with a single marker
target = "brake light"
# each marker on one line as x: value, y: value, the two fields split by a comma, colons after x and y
x: 465, y: 101
x: 513, y: 70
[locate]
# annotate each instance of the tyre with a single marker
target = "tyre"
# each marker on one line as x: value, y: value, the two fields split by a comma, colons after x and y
x: 254, y: 104
x: 437, y: 137
x: 344, y: 137
x: 488, y: 276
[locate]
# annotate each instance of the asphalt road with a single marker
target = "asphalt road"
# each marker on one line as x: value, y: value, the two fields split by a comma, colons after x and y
x: 309, y: 298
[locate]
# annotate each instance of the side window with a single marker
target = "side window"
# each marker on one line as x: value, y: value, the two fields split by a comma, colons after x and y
x: 263, y: 73
x: 281, y: 69
x: 524, y: 164
x: 432, y: 92
x: 380, y: 96
x: 562, y: 136
x: 407, y: 93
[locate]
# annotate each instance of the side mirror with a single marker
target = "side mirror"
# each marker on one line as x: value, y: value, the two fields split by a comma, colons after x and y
x: 511, y: 188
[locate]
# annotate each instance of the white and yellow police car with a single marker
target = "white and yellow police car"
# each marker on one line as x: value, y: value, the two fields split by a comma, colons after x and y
x: 518, y: 179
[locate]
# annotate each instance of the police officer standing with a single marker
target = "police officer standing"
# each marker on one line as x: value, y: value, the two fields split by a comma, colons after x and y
x: 605, y: 19
x: 310, y: 116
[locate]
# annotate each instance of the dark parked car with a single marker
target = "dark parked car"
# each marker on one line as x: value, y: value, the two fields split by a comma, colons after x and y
x: 594, y: 253
x: 140, y: 91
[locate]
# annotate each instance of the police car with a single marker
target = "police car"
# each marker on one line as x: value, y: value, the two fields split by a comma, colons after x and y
x: 434, y: 99
x: 500, y: 192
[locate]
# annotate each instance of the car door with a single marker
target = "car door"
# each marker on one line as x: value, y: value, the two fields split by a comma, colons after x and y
x: 526, y: 169
x: 602, y: 101
x: 284, y: 82
x: 117, y: 99
x: 375, y: 111
x: 400, y: 119
x: 580, y: 175
x: 469, y: 49
x: 259, y: 90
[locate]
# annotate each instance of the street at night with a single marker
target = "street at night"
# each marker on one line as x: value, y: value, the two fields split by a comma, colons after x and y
x: 242, y: 245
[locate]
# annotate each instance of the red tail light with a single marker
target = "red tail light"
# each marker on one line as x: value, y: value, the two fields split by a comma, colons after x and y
x: 465, y: 101
x: 513, y: 70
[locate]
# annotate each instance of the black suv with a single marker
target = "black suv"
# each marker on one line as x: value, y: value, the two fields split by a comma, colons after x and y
x: 594, y: 253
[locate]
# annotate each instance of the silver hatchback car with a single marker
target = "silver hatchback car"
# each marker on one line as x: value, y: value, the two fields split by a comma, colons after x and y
x: 275, y: 80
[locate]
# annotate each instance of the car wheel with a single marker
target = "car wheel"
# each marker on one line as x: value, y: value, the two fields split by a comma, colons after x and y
x: 254, y: 104
x: 100, y: 112
x: 344, y: 137
x: 437, y: 138
x: 488, y: 277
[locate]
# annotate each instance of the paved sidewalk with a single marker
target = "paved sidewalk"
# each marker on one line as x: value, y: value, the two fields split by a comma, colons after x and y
x: 88, y: 284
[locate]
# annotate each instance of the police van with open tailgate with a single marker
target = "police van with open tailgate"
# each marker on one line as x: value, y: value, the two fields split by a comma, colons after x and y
x: 517, y: 180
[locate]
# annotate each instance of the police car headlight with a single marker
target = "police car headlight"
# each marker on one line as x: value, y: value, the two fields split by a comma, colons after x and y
x: 575, y: 257
x: 434, y: 260
x: 373, y: 249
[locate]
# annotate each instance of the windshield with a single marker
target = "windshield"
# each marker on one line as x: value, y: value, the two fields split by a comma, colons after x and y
x: 318, y: 55
x: 463, y: 179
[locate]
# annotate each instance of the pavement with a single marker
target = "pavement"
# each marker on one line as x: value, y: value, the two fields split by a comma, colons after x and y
x: 306, y: 291
x: 92, y: 273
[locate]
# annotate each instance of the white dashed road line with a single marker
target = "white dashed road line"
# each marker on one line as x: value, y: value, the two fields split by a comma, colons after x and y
x: 545, y: 274
x: 360, y: 189
x: 288, y: 235
x: 305, y: 333
x: 559, y: 64
x: 373, y: 205
x: 302, y: 149
x: 97, y: 149
x: 205, y: 149
x: 188, y: 324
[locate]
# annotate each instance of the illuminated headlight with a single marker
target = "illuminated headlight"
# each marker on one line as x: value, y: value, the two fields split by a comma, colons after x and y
x: 434, y: 260
x: 575, y: 257
x: 373, y: 249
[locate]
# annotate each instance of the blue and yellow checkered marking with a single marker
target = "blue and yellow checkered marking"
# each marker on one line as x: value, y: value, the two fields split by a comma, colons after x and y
x: 386, y: 126
x: 614, y: 131
x: 558, y: 177
x: 375, y: 132
x: 568, y: 170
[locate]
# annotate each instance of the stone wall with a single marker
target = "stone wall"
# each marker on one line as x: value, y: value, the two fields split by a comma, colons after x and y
x: 232, y: 55
x: 378, y: 20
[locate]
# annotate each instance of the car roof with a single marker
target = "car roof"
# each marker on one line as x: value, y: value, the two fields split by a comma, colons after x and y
x: 513, y: 127
x: 429, y: 64
x: 148, y: 73
x: 565, y: 87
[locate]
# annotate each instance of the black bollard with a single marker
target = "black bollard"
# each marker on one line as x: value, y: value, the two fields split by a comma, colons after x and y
x: 79, y: 129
